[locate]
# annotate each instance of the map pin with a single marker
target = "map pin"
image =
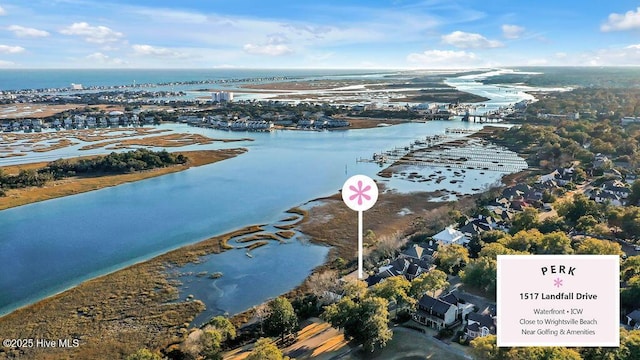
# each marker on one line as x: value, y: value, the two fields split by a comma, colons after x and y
x: 360, y: 193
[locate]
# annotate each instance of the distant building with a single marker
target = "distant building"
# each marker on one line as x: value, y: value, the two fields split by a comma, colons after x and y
x: 629, y: 120
x: 76, y: 86
x: 220, y: 96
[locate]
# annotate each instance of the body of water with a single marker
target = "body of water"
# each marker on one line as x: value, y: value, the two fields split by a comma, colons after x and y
x: 52, y: 245
x: 62, y: 78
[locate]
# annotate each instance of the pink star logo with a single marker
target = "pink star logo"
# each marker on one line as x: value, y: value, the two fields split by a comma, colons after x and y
x: 557, y: 282
x: 360, y: 192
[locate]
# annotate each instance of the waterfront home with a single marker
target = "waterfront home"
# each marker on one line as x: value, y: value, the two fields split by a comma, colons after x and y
x: 616, y: 187
x: 329, y: 122
x: 396, y: 268
x: 190, y: 119
x: 479, y: 325
x: 629, y: 120
x: 633, y: 319
x: 450, y: 236
x: 37, y: 125
x: 601, y: 161
x: 463, y: 308
x: 68, y: 123
x: 91, y: 122
x: 435, y: 313
x: 114, y: 121
x: 562, y: 176
x: 416, y: 252
x: 305, y: 123
x: 603, y: 196
x: 283, y: 122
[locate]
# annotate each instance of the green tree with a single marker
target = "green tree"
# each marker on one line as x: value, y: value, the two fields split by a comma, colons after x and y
x: 354, y: 289
x: 586, y: 224
x: 485, y: 348
x: 265, y: 350
x: 525, y: 220
x: 144, y: 354
x: 542, y: 353
x: 430, y: 281
x: 630, y: 268
x: 366, y: 321
x: 395, y: 288
x: 451, y: 258
x: 224, y: 326
x: 598, y: 247
x: 492, y: 236
x: 555, y: 243
x: 283, y: 320
x: 481, y: 273
x: 630, y: 223
x: 629, y: 344
x: 491, y: 251
x: 551, y: 224
x: 634, y: 196
x: 526, y: 240
x: 211, y: 344
x: 577, y: 208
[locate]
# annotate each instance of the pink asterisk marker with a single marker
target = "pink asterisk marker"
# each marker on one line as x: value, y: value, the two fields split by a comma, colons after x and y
x: 360, y: 192
x: 557, y: 282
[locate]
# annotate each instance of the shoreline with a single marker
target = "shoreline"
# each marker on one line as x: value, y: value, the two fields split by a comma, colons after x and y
x: 77, y: 185
x: 141, y: 299
x: 143, y: 295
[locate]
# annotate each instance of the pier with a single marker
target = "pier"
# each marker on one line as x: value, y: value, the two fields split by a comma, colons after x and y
x: 482, y: 118
x: 452, y: 152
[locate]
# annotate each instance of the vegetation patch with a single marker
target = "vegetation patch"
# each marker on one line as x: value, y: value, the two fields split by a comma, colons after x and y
x: 286, y: 234
x: 45, y: 187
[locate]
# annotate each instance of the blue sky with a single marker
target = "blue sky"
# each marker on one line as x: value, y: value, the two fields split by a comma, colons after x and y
x: 432, y: 34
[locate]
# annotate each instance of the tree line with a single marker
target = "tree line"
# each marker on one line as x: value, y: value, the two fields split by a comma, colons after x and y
x: 114, y: 163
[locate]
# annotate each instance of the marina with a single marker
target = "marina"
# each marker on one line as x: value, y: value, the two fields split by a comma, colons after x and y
x: 447, y: 151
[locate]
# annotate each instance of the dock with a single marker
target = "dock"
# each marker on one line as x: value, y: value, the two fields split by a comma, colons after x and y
x: 452, y: 152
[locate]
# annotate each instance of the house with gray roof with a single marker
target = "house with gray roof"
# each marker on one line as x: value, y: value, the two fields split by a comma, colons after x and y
x: 480, y: 325
x: 435, y: 313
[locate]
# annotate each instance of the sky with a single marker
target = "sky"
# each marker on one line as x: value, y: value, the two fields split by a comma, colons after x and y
x: 345, y: 34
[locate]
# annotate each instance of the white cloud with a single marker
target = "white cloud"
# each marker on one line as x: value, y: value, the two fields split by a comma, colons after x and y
x: 512, y: 31
x: 627, y: 21
x: 92, y: 34
x: 2, y: 11
x: 6, y: 49
x: 172, y: 15
x: 268, y: 49
x: 104, y: 59
x: 438, y: 59
x: 465, y: 40
x: 4, y: 63
x: 627, y: 56
x: 22, y: 31
x: 154, y: 51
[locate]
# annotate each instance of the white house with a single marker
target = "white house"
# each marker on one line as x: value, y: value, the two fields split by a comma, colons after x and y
x: 451, y: 236
x: 480, y: 325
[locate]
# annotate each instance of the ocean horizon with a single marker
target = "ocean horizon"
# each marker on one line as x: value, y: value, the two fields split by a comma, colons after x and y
x: 24, y: 79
